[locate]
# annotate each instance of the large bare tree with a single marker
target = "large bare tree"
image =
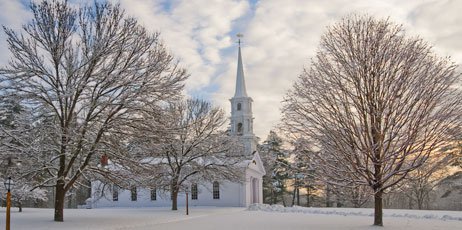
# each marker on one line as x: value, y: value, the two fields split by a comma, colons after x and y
x: 377, y: 103
x: 91, y: 70
x: 188, y: 144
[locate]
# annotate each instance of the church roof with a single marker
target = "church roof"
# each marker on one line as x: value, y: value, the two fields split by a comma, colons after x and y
x: 240, y: 81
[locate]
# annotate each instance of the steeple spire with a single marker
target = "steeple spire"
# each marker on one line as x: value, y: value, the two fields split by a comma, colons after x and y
x: 241, y: 109
x: 240, y: 81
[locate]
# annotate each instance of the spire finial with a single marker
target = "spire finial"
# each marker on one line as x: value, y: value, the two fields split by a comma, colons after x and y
x: 239, y: 35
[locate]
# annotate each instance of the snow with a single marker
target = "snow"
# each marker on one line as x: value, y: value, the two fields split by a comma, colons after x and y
x: 414, y: 214
x: 264, y: 217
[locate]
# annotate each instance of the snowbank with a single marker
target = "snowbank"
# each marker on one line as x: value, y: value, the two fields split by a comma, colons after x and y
x: 412, y: 214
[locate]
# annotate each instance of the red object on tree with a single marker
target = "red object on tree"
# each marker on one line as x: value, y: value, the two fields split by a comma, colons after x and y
x: 104, y: 160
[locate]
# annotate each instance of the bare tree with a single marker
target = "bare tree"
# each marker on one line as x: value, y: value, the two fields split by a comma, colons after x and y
x: 376, y: 102
x: 301, y: 170
x: 90, y: 70
x: 353, y: 194
x: 185, y: 144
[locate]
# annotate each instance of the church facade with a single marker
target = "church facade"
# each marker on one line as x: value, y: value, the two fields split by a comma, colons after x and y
x: 216, y: 193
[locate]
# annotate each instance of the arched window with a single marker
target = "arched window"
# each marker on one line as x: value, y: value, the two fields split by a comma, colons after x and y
x: 194, y: 192
x: 216, y: 190
x: 239, y: 106
x: 134, y: 195
x: 239, y: 127
x: 154, y: 194
x: 115, y: 193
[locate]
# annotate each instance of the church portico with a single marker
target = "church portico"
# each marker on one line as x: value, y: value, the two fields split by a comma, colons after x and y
x: 255, y: 189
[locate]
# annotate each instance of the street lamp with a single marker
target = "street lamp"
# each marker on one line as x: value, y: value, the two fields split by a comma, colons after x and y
x: 8, y: 185
x: 188, y: 186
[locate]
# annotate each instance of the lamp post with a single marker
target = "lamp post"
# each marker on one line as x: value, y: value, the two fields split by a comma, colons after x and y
x: 188, y: 186
x: 8, y: 185
x: 187, y: 206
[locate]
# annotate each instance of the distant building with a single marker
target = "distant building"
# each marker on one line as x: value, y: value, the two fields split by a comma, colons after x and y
x: 213, y: 193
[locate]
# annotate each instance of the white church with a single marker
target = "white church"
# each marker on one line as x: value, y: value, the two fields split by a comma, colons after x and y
x: 216, y: 193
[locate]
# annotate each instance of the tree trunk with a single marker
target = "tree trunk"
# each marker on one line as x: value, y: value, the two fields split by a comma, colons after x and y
x: 298, y: 196
x: 420, y: 199
x: 419, y: 204
x: 410, y: 204
x: 20, y: 206
x: 59, y: 201
x: 308, y: 193
x: 273, y: 197
x: 378, y: 208
x: 293, y: 197
x: 175, y: 199
x: 174, y: 188
x: 328, y: 204
x: 283, y: 200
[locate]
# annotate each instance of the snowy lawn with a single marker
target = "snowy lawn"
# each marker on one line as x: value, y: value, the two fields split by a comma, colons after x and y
x: 266, y: 217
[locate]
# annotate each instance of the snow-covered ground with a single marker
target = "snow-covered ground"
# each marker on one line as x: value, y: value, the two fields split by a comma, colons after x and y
x: 264, y: 217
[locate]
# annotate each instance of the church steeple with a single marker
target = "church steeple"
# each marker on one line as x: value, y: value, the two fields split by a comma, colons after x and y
x: 240, y: 81
x: 241, y: 109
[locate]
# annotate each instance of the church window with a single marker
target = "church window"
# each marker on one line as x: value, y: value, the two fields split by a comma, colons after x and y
x: 115, y: 193
x: 194, y: 192
x: 134, y: 195
x: 154, y: 194
x: 239, y: 127
x: 239, y: 106
x: 216, y: 190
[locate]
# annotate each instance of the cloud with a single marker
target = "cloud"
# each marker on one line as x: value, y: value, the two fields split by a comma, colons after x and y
x: 280, y: 37
x: 13, y: 15
x: 195, y: 31
x: 439, y: 22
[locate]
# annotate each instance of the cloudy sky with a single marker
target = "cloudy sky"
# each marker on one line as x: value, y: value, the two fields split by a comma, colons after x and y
x: 280, y: 37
